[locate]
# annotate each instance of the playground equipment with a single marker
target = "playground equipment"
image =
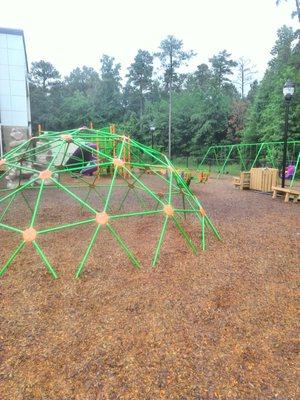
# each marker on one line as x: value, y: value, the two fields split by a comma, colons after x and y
x: 203, y: 176
x: 262, y: 179
x: 243, y: 181
x: 287, y: 192
x: 245, y: 156
x: 51, y: 159
x: 14, y: 178
x: 289, y: 171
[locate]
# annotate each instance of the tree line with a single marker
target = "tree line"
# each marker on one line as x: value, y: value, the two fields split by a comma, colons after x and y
x: 210, y: 105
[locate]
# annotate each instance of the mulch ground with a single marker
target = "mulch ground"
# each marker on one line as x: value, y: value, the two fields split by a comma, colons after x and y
x: 219, y: 325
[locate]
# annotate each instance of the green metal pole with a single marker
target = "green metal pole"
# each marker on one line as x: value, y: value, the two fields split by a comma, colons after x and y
x: 294, y: 174
x: 160, y: 240
x: 19, y: 189
x: 186, y: 236
x: 64, y: 226
x: 223, y: 166
x: 46, y: 262
x: 204, y: 158
x: 12, y: 257
x: 86, y: 205
x: 257, y: 155
x: 87, y: 253
x: 203, y: 233
x: 133, y: 259
x: 37, y: 204
x: 241, y: 158
x: 10, y: 228
x: 7, y: 207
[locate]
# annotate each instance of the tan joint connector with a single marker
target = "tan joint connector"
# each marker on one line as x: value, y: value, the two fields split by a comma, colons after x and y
x: 45, y: 174
x: 67, y: 138
x: 102, y: 218
x: 168, y: 210
x: 2, y: 162
x: 29, y: 235
x: 118, y: 162
x: 202, y: 211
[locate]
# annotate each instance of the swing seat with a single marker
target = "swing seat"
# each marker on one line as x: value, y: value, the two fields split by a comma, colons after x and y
x: 203, y: 176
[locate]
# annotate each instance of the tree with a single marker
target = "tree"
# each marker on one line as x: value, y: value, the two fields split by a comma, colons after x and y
x: 245, y: 74
x: 75, y: 110
x: 82, y: 80
x: 265, y: 117
x: 43, y: 74
x: 43, y: 79
x: 222, y: 66
x: 171, y: 56
x: 252, y: 92
x: 202, y: 76
x: 200, y: 79
x: 140, y: 78
x: 107, y: 97
x: 296, y: 12
x: 211, y: 119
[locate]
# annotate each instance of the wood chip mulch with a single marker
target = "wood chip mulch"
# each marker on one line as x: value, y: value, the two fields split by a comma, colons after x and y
x: 219, y: 325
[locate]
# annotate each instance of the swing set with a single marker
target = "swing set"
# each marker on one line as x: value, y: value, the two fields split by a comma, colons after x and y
x: 245, y: 156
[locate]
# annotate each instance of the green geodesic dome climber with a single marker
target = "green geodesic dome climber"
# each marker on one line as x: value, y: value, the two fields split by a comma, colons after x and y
x: 109, y: 175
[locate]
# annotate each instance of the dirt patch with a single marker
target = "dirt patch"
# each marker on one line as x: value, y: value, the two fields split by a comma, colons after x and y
x: 219, y: 325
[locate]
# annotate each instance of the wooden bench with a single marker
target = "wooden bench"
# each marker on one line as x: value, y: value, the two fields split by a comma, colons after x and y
x: 236, y: 181
x: 289, y: 193
x: 243, y: 181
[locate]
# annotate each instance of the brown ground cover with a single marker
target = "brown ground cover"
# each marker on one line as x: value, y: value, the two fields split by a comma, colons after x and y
x: 219, y: 325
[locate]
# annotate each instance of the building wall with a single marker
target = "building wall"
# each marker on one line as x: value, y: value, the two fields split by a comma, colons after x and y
x: 14, y: 91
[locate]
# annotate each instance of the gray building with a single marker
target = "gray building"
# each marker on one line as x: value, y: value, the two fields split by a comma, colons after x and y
x: 14, y: 89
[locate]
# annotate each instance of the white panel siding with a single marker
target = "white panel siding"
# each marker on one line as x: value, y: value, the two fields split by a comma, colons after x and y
x: 5, y: 103
x: 15, y: 42
x: 4, y: 87
x: 18, y: 118
x: 13, y: 72
x: 17, y: 73
x: 4, y: 72
x: 17, y: 88
x: 16, y: 57
x: 6, y: 117
x: 3, y: 40
x: 18, y: 103
x: 3, y: 56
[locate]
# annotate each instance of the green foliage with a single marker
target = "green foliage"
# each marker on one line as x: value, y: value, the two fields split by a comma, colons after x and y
x: 264, y: 121
x: 83, y: 80
x: 207, y: 108
x: 107, y: 98
x: 172, y: 56
x: 222, y: 66
x: 201, y: 78
x: 139, y: 83
x: 43, y: 75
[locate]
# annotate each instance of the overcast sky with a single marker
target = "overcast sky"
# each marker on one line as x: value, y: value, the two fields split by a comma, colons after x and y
x: 71, y: 33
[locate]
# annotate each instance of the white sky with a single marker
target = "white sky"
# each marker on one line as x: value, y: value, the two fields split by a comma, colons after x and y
x: 71, y: 33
